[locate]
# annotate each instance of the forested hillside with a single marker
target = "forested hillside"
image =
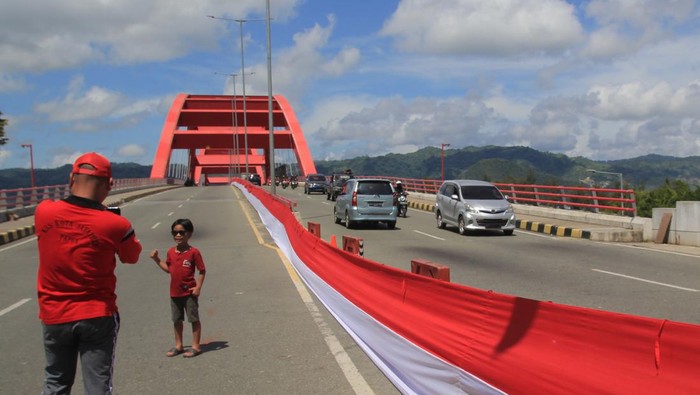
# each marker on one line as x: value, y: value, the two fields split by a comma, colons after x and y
x: 492, y: 163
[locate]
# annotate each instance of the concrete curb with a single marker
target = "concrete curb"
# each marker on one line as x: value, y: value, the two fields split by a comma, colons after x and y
x: 553, y: 230
x: 16, y: 234
x: 25, y: 231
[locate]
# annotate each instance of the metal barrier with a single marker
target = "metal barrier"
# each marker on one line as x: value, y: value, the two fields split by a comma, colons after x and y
x: 11, y: 199
x: 621, y: 201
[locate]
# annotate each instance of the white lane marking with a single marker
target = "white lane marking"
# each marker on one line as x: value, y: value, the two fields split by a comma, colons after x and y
x: 537, y: 234
x: 637, y: 246
x: 171, y: 213
x: 155, y: 226
x: 646, y: 281
x: 13, y: 245
x: 14, y: 306
x: 429, y: 235
x: 179, y: 206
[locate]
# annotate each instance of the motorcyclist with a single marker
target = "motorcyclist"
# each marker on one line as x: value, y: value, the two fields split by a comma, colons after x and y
x: 399, y: 187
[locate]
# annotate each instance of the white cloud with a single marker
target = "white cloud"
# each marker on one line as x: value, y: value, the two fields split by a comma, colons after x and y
x: 297, y: 67
x: 10, y: 83
x: 66, y: 33
x: 475, y: 27
x: 641, y: 101
x: 131, y: 150
x: 4, y: 156
x: 97, y: 108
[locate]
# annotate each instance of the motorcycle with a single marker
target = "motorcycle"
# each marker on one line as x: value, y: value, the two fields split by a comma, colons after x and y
x: 294, y: 183
x: 402, y: 202
x: 285, y: 183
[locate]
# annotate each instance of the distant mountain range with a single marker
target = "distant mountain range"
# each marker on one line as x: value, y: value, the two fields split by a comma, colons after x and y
x: 492, y: 163
x: 523, y: 164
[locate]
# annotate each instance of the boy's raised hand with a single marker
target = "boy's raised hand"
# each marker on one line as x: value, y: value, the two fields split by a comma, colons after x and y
x: 154, y: 255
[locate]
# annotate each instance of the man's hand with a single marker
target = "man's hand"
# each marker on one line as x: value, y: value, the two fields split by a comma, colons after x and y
x: 196, y: 290
x: 154, y: 255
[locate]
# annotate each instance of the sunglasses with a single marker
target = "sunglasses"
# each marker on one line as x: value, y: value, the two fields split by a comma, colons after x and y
x: 179, y: 232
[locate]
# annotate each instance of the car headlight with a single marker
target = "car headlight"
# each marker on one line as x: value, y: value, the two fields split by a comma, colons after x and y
x: 471, y: 209
x: 509, y: 209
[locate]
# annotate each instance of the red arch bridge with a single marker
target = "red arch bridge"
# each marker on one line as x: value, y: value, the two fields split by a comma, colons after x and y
x: 214, y: 131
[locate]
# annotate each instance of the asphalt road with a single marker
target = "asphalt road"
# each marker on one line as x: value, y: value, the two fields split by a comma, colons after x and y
x: 614, y: 277
x: 259, y: 335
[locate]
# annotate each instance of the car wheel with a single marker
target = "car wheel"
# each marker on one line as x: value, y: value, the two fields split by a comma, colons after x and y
x: 348, y: 223
x: 336, y: 217
x: 462, y: 226
x: 508, y: 232
x: 391, y: 224
x: 440, y: 223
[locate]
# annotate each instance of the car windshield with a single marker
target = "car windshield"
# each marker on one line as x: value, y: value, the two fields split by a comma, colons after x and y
x: 317, y: 178
x: 481, y: 192
x: 374, y: 188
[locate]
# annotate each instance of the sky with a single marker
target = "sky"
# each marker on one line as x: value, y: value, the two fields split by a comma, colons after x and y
x: 600, y: 79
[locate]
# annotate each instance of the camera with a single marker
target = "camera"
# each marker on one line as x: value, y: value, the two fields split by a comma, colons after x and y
x: 115, y: 210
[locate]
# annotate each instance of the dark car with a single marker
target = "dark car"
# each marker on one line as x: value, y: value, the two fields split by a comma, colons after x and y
x: 335, y: 185
x: 315, y: 183
x: 254, y: 178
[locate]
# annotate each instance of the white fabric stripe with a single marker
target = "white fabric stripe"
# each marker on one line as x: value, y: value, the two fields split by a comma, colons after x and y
x: 411, y: 369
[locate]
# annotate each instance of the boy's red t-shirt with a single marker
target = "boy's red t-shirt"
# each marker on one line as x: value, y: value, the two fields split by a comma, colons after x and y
x: 182, y: 266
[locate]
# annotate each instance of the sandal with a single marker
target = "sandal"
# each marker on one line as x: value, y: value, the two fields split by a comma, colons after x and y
x: 174, y: 351
x: 192, y: 353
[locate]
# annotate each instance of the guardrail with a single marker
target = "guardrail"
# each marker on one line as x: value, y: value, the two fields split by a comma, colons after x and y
x: 11, y: 199
x: 621, y: 201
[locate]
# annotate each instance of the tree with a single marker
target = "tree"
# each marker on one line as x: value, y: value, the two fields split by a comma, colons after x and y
x: 3, y: 122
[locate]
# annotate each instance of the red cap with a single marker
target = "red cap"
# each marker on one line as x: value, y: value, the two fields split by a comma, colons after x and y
x: 102, y: 167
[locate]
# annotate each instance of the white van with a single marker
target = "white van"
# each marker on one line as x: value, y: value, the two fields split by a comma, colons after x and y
x: 473, y: 205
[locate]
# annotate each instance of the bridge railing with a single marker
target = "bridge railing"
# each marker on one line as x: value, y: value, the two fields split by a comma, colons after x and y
x: 608, y: 200
x: 11, y: 199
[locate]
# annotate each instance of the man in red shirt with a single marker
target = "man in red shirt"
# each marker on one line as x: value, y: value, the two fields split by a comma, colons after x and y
x: 78, y: 239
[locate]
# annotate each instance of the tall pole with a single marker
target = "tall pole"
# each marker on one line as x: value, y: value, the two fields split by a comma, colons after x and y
x: 245, y: 117
x: 622, y: 192
x: 234, y: 121
x: 31, y: 162
x: 269, y: 99
x: 443, y: 160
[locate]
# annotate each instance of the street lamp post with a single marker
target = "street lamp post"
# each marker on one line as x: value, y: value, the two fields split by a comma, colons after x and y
x: 622, y: 194
x: 234, y: 124
x: 269, y: 96
x: 31, y: 161
x: 245, y: 117
x: 442, y: 160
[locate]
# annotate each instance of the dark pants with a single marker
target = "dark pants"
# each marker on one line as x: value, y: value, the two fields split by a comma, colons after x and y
x: 94, y: 340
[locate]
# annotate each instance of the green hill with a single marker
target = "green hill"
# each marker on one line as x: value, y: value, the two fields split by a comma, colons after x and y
x: 492, y: 163
x: 522, y: 165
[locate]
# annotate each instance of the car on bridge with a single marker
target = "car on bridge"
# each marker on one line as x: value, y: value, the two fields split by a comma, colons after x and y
x: 473, y: 205
x: 255, y: 179
x: 315, y: 183
x: 368, y: 200
x: 335, y: 185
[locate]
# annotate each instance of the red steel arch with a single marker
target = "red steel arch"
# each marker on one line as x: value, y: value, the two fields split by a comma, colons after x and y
x: 204, y: 125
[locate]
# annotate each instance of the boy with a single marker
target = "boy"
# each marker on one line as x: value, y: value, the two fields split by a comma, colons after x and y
x: 181, y: 261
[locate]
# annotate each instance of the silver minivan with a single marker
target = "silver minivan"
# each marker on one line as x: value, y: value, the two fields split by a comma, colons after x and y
x: 473, y: 205
x: 366, y: 200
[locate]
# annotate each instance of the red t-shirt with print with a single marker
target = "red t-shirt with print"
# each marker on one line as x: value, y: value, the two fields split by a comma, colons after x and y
x: 78, y: 239
x: 181, y: 265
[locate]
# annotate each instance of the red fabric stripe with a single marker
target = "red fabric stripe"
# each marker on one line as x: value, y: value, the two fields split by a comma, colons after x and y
x: 518, y: 345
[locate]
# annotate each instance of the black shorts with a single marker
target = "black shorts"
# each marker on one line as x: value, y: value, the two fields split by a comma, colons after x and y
x: 180, y: 305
